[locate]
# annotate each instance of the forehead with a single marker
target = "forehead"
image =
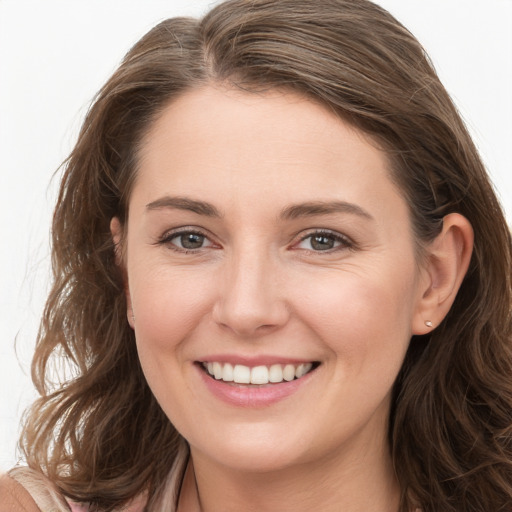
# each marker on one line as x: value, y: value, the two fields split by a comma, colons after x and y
x: 214, y: 139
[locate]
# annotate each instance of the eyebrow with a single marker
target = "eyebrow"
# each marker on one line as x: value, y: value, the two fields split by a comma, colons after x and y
x: 314, y: 208
x: 295, y: 211
x: 185, y: 203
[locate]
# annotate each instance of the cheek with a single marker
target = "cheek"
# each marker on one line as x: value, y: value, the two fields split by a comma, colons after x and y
x: 168, y: 305
x: 361, y: 315
x: 168, y: 309
x: 364, y: 321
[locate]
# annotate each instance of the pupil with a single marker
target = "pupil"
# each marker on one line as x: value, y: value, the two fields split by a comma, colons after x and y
x: 192, y: 241
x: 322, y: 242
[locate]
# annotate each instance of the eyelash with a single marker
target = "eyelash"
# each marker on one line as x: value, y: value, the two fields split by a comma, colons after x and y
x: 343, y: 241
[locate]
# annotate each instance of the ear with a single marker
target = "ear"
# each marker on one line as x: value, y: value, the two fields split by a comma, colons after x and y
x: 446, y: 263
x: 116, y: 229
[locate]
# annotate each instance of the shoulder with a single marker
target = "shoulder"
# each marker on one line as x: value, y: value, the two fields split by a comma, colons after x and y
x: 14, y: 497
x: 25, y: 490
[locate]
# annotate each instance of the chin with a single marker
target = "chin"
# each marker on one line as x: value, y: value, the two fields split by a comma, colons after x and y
x: 256, y: 450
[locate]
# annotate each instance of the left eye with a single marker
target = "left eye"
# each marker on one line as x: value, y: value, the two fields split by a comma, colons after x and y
x: 321, y: 242
x: 189, y: 241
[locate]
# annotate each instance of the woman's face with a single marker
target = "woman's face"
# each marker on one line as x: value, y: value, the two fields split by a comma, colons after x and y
x: 266, y: 239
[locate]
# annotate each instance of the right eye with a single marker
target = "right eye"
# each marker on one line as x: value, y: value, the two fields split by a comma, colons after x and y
x: 187, y: 241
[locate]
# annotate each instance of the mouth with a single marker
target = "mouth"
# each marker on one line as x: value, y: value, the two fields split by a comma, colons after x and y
x: 262, y: 375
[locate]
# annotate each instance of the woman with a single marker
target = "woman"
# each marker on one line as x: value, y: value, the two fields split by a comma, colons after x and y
x: 282, y: 280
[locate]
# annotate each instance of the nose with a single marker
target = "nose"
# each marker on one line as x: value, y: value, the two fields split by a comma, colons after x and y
x: 250, y: 299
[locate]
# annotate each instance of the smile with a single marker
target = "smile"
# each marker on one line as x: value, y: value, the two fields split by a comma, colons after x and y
x: 259, y: 375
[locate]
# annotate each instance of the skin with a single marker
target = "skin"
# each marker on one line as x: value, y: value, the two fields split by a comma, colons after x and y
x: 258, y: 287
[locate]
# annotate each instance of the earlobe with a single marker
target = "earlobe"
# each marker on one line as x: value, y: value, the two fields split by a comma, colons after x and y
x: 129, y: 311
x: 447, y: 261
x: 116, y: 231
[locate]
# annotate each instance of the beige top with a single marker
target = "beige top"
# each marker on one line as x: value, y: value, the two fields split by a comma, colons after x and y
x: 14, y: 497
x: 25, y: 490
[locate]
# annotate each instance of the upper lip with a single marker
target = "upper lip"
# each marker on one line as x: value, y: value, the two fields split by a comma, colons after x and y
x: 251, y: 361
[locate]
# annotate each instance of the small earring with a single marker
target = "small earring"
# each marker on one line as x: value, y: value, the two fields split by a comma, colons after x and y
x: 428, y: 323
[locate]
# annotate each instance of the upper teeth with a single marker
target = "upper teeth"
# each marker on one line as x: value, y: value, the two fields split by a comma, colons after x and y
x: 258, y: 374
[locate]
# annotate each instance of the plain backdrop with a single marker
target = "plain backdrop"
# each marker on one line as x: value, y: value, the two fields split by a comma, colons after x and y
x: 54, y: 56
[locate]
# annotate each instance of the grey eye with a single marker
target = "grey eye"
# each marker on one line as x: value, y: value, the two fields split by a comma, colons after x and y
x: 186, y: 240
x: 323, y: 242
x: 189, y: 241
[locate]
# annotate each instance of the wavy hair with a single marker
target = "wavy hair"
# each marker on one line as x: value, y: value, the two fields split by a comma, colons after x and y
x: 99, y: 434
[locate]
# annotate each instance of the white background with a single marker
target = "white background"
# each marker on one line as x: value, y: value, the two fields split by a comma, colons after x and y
x: 55, y: 54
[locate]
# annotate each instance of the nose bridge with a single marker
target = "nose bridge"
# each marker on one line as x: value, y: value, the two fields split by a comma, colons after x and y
x: 249, y: 299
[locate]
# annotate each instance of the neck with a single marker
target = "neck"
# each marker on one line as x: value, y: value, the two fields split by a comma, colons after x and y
x: 358, y: 481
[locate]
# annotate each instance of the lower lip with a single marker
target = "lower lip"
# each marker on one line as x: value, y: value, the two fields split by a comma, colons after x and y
x: 252, y: 396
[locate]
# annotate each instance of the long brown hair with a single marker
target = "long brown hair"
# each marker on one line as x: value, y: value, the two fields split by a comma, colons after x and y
x: 99, y: 434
